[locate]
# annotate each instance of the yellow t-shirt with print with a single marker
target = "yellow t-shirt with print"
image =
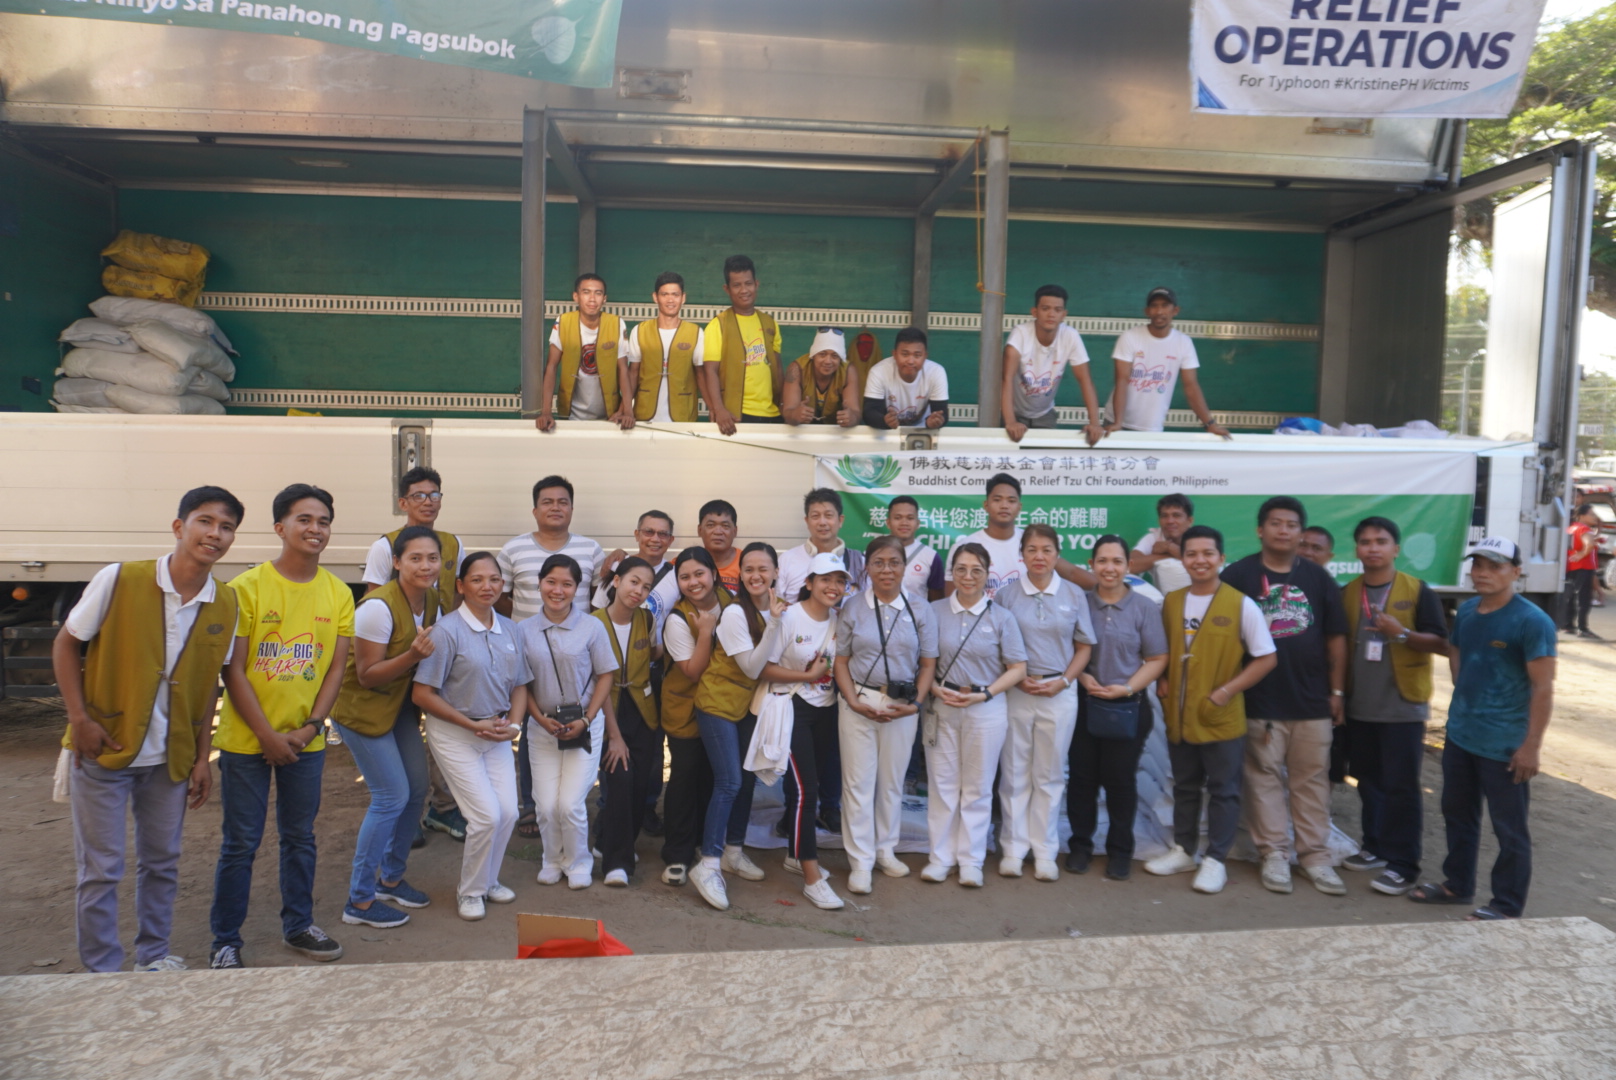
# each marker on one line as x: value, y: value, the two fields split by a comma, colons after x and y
x: 291, y: 630
x: 757, y: 395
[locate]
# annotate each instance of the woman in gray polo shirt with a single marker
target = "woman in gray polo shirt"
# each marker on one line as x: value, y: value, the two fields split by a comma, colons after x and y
x: 886, y: 654
x: 1129, y: 655
x: 980, y: 655
x: 473, y: 689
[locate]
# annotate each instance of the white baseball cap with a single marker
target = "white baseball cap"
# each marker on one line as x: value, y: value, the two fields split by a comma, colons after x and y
x: 1497, y: 548
x: 828, y: 338
x: 826, y: 563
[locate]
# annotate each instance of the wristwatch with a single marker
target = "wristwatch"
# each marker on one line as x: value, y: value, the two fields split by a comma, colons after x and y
x: 1400, y: 638
x: 1338, y: 693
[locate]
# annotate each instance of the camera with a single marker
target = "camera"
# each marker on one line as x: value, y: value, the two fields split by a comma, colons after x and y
x: 902, y: 691
x: 568, y: 714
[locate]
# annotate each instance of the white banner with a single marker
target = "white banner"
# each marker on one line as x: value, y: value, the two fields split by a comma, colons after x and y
x: 1361, y: 58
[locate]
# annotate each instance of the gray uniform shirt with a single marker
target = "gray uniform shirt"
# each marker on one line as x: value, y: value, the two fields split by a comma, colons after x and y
x: 1053, y: 622
x: 582, y: 653
x: 993, y: 647
x: 475, y: 668
x: 908, y: 639
x: 1126, y: 632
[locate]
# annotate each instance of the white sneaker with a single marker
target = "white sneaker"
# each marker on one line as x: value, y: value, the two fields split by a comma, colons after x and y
x: 500, y: 894
x: 550, y: 875
x: 675, y: 874
x: 858, y: 881
x: 891, y: 865
x: 1326, y: 880
x: 935, y: 872
x: 970, y: 877
x: 1276, y: 872
x: 471, y: 908
x: 617, y: 878
x: 1010, y: 866
x: 795, y: 867
x: 822, y: 896
x: 1045, y: 870
x: 1211, y: 877
x: 710, y: 883
x: 1175, y: 860
x: 736, y: 862
x: 167, y: 963
x: 581, y: 880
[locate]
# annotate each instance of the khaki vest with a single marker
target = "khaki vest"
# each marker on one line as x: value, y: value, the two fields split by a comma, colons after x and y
x: 634, y: 670
x: 373, y: 711
x: 681, y: 372
x: 607, y: 342
x: 725, y: 691
x: 679, y: 691
x: 124, y: 668
x: 1410, y: 667
x: 732, y: 365
x: 1193, y: 672
x: 826, y: 404
x: 451, y: 563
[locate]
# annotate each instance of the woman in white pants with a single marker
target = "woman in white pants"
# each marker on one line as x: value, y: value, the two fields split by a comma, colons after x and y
x: 1053, y: 616
x: 886, y: 655
x: 473, y: 689
x: 980, y: 656
x: 571, y: 661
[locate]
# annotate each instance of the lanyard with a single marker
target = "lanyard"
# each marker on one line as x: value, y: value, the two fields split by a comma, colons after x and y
x: 944, y: 673
x: 560, y: 684
x: 880, y: 630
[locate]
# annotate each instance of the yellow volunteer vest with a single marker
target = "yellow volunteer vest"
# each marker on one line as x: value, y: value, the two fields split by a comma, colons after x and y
x: 1194, y: 671
x: 681, y: 371
x: 732, y: 365
x: 124, y: 668
x: 725, y: 691
x: 1410, y: 667
x: 607, y: 343
x: 451, y: 562
x: 825, y: 403
x: 634, y: 670
x: 373, y: 711
x: 678, y: 689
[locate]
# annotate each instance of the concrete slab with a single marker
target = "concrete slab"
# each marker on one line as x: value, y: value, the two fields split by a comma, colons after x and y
x: 1535, y: 998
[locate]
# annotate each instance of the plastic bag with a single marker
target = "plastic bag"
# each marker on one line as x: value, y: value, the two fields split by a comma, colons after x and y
x: 124, y: 310
x: 181, y: 348
x: 99, y: 334
x: 144, y: 285
x: 564, y: 948
x: 131, y: 400
x: 61, y: 783
x: 81, y: 393
x: 175, y: 259
x: 140, y: 370
x: 104, y: 409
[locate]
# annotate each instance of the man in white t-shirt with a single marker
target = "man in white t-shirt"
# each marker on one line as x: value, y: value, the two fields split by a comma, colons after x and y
x: 420, y: 496
x: 1159, y: 552
x: 906, y: 389
x: 674, y: 369
x: 923, y: 569
x: 1036, y: 356
x: 1002, y: 538
x: 585, y: 359
x: 1150, y: 361
x: 822, y: 513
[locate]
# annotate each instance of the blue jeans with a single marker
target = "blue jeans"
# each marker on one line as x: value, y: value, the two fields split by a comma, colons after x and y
x: 244, y: 800
x: 730, y: 807
x: 1467, y: 779
x: 394, y: 766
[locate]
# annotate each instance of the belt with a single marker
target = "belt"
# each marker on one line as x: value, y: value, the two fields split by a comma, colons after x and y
x: 970, y: 688
x: 1054, y: 675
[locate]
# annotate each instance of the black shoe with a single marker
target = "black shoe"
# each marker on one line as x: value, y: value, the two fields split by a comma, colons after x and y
x: 1590, y: 635
x: 1077, y: 862
x: 314, y: 944
x: 221, y: 957
x: 830, y: 821
x: 1118, y: 867
x: 419, y: 841
x: 652, y: 825
x: 780, y: 826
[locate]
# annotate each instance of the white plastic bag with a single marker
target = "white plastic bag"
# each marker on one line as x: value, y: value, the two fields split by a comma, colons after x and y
x: 140, y: 370
x: 105, y: 409
x: 770, y: 749
x: 181, y: 348
x: 81, y: 393
x: 208, y: 385
x: 124, y: 310
x: 131, y: 400
x: 99, y: 334
x: 61, y: 784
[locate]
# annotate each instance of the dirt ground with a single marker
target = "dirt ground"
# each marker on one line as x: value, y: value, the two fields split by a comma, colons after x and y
x: 1573, y: 824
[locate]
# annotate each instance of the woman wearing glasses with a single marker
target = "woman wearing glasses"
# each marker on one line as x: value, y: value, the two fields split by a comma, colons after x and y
x: 980, y: 655
x: 821, y: 387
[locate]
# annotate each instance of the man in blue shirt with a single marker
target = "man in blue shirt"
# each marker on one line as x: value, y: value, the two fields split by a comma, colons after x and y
x: 1502, y: 657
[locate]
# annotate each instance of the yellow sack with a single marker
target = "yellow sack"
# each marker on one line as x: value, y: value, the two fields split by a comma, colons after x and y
x: 158, y: 255
x: 142, y: 285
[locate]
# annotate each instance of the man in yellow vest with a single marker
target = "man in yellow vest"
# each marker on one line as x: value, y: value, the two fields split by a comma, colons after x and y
x: 1218, y: 647
x: 664, y: 357
x: 586, y: 360
x: 742, y: 368
x: 140, y: 722
x: 821, y: 386
x: 1395, y: 625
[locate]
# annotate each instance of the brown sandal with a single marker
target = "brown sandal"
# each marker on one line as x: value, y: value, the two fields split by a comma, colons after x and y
x: 1436, y: 894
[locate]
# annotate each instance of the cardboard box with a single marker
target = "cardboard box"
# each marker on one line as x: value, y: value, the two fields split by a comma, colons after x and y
x: 534, y: 930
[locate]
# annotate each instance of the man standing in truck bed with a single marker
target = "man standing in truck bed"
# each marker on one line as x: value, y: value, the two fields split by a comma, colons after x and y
x: 741, y: 347
x: 1150, y: 360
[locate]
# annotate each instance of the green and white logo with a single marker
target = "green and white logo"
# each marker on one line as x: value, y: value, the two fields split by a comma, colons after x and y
x: 868, y: 470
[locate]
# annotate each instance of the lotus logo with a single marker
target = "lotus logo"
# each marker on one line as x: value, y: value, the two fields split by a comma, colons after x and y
x: 868, y: 470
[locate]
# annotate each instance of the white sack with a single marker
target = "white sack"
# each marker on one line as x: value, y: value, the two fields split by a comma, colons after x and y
x: 90, y: 393
x: 88, y: 409
x: 124, y: 310
x: 208, y: 385
x: 131, y: 400
x: 99, y: 334
x: 139, y: 370
x: 181, y: 348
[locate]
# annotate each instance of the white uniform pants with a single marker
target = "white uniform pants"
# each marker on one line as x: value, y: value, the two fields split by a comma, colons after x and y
x: 561, y: 783
x: 874, y: 759
x: 1032, y: 772
x: 482, y: 777
x: 959, y: 802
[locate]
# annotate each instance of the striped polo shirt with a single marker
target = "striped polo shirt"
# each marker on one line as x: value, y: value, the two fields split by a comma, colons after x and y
x: 521, y: 559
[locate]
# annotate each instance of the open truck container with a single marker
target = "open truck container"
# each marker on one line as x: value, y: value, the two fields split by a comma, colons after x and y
x: 391, y: 239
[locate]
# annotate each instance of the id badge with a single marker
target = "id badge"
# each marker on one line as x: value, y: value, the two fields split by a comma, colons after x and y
x: 1373, y: 650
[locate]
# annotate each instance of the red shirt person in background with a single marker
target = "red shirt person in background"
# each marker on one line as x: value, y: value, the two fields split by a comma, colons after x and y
x: 1582, y: 565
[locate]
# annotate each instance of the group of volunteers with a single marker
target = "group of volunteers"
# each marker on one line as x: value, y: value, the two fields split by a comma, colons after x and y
x: 598, y: 369
x: 1025, y: 678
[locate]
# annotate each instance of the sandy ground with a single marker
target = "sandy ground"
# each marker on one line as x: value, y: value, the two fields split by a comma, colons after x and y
x: 1573, y: 822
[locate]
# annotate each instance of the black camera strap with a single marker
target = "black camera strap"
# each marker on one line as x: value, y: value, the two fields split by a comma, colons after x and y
x: 561, y: 683
x: 880, y: 630
x: 943, y: 674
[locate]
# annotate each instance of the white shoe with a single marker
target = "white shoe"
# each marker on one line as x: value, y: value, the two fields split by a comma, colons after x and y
x: 891, y: 865
x: 935, y: 872
x: 822, y: 896
x: 1326, y: 880
x: 858, y: 881
x: 710, y: 883
x: 500, y: 894
x: 675, y: 874
x: 1175, y: 860
x: 970, y: 877
x: 581, y: 880
x: 1045, y: 870
x: 1010, y: 866
x: 471, y: 908
x: 167, y: 963
x: 617, y: 878
x: 736, y: 862
x: 1211, y: 877
x: 795, y: 867
x: 1276, y: 872
x: 550, y: 875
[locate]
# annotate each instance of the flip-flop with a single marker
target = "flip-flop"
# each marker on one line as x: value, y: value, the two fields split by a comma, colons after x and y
x: 1486, y: 914
x: 1436, y: 894
x: 527, y: 827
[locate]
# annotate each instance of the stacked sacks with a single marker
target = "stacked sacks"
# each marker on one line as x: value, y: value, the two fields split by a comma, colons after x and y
x: 151, y: 267
x: 144, y: 356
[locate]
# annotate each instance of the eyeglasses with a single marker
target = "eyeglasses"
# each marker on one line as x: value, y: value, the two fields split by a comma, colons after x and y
x: 829, y: 330
x: 424, y: 496
x: 657, y: 534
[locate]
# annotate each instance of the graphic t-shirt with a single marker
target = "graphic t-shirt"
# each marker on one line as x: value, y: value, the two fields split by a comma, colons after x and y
x: 924, y: 570
x: 588, y: 400
x: 631, y: 354
x: 1575, y: 536
x: 1007, y: 567
x: 291, y: 630
x: 1042, y: 366
x: 802, y: 641
x: 912, y: 401
x: 1302, y: 608
x: 1156, y: 363
x: 757, y: 396
x: 1493, y: 694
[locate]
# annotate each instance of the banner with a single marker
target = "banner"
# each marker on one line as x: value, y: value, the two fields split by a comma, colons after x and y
x: 1361, y: 58
x: 1086, y: 494
x: 563, y: 41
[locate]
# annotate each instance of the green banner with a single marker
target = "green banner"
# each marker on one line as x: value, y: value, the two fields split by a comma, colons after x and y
x: 562, y: 41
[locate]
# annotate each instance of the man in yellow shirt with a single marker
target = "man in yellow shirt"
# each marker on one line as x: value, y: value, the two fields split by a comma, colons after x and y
x: 293, y: 632
x: 741, y: 373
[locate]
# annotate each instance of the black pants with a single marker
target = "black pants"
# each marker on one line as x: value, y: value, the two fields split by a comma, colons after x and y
x: 1386, y: 759
x: 1579, y: 598
x: 623, y: 789
x: 812, y: 727
x: 1112, y: 764
x: 1467, y: 780
x: 655, y: 792
x: 684, y: 802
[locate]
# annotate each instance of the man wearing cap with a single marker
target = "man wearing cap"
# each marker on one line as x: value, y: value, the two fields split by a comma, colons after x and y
x: 821, y: 386
x: 1036, y: 356
x: 1502, y: 658
x: 1150, y: 360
